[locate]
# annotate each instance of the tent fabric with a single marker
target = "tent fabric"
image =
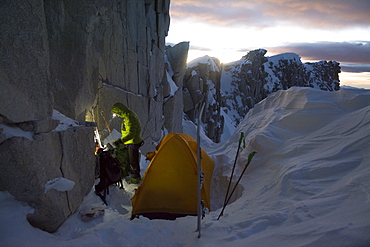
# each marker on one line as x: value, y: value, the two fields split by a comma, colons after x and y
x: 169, y: 185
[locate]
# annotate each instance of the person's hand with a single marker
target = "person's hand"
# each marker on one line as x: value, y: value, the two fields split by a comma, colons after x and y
x: 117, y: 143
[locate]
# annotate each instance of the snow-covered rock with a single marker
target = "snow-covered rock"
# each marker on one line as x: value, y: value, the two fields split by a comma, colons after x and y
x: 251, y: 79
x: 233, y: 89
x: 202, y: 85
x: 29, y: 164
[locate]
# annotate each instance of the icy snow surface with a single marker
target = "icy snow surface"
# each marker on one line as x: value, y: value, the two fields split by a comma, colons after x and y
x: 308, y: 185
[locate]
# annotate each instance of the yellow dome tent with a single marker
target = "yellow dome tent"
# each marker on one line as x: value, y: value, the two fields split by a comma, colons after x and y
x: 169, y: 186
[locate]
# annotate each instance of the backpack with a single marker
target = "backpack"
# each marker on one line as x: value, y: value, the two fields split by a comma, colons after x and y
x: 111, y: 172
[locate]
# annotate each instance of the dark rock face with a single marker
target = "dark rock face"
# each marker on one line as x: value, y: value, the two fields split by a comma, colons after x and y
x: 24, y: 62
x: 77, y: 57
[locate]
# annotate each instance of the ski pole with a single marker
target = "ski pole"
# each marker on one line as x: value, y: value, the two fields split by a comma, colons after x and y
x: 199, y: 170
x: 232, y: 172
x: 250, y: 157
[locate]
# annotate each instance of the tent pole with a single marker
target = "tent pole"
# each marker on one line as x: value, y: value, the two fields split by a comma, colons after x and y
x: 199, y: 177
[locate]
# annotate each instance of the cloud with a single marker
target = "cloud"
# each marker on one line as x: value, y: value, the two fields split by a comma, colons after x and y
x: 343, y: 52
x: 199, y: 48
x: 348, y: 67
x: 192, y: 47
x: 264, y: 13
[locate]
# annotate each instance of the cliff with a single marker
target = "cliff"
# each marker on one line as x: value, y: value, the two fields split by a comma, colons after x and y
x: 75, y: 58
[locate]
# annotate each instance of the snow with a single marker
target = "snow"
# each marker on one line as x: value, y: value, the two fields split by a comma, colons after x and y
x: 64, y: 122
x: 173, y: 86
x: 284, y: 56
x: 12, y: 131
x: 229, y: 128
x: 204, y: 60
x: 308, y: 185
x: 59, y: 184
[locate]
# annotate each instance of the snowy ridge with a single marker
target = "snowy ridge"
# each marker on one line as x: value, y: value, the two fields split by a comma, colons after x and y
x: 311, y: 166
x: 204, y: 60
x: 308, y: 184
x: 284, y: 56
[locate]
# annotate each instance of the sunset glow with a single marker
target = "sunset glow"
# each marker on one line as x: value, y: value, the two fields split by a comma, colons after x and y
x: 315, y: 30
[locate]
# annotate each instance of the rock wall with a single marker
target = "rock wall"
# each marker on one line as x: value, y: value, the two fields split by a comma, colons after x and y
x: 77, y: 57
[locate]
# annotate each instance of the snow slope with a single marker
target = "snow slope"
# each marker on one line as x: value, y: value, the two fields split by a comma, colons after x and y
x: 308, y: 185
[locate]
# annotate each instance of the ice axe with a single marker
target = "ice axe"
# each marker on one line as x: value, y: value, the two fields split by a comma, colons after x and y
x: 105, y: 121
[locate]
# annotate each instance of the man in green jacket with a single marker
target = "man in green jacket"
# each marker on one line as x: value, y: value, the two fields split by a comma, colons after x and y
x: 130, y: 139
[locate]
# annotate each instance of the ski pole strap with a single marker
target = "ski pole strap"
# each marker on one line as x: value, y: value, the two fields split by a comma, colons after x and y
x: 241, y: 137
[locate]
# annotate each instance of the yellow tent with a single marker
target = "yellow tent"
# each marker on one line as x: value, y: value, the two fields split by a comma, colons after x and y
x: 169, y: 186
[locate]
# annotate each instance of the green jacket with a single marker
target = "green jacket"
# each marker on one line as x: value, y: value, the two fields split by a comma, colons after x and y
x: 131, y: 127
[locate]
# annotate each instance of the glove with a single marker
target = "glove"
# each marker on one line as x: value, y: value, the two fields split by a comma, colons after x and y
x: 117, y: 143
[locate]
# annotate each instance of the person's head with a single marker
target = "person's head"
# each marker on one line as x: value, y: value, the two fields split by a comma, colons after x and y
x: 119, y: 109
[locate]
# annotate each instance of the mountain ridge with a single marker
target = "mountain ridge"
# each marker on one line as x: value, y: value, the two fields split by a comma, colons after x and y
x: 234, y: 88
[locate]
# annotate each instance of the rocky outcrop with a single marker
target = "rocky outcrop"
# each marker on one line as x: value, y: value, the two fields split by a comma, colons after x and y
x: 254, y: 77
x: 202, y: 84
x: 173, y: 84
x: 286, y: 70
x: 79, y: 58
x: 242, y: 84
x: 233, y: 89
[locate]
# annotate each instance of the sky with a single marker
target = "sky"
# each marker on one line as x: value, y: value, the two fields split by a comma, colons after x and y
x: 316, y: 30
